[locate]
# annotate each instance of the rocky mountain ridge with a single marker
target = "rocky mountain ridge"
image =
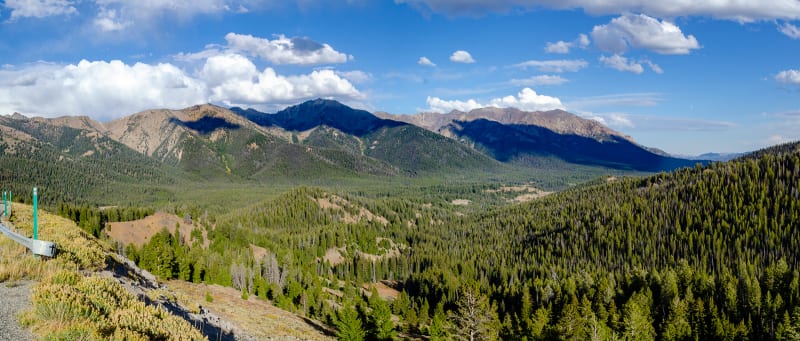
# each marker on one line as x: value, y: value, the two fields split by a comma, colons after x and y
x: 327, y: 137
x: 559, y: 121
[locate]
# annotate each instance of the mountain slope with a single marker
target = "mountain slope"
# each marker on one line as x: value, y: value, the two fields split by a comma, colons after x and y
x: 512, y: 135
x: 521, y: 143
x: 412, y: 150
x: 214, y: 142
x: 320, y: 112
x: 162, y: 133
x: 72, y: 164
x: 559, y: 121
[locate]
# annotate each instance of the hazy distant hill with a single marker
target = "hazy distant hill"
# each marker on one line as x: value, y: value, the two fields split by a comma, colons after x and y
x: 716, y: 156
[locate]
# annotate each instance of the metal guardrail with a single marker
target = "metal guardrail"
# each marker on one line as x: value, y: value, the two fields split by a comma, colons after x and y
x: 38, y: 247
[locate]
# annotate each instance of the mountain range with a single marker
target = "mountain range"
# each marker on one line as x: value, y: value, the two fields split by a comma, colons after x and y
x: 317, y: 138
x: 512, y: 135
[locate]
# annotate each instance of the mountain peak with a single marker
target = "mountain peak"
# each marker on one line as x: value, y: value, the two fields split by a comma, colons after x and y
x: 18, y: 116
x: 79, y: 122
x: 319, y: 112
x: 323, y: 101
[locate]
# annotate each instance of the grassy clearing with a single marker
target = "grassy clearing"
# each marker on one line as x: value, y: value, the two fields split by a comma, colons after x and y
x: 69, y: 302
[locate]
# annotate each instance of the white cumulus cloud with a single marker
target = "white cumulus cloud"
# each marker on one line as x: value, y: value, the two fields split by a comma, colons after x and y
x: 790, y: 76
x: 425, y: 61
x: 654, y: 67
x: 283, y: 50
x: 107, y: 20
x: 39, y: 8
x: 355, y: 76
x: 144, y: 13
x: 558, y: 66
x: 563, y: 47
x: 642, y: 32
x: 527, y: 99
x: 220, y: 69
x: 540, y: 80
x: 99, y: 89
x: 614, y: 120
x: 461, y: 56
x: 147, y: 9
x: 621, y: 63
x: 738, y: 10
x: 790, y: 30
x: 558, y: 47
x: 234, y: 80
x: 109, y: 89
x: 437, y: 104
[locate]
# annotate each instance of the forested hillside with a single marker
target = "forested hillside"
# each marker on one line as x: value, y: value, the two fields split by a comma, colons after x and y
x: 74, y: 165
x: 700, y: 253
x: 709, y: 253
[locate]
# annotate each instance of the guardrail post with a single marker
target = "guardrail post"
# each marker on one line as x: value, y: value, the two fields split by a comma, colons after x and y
x: 35, y: 215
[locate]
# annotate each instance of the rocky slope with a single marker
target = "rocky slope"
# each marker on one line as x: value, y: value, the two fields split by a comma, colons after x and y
x: 558, y: 121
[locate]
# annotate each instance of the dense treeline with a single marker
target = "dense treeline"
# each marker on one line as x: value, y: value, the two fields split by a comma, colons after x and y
x: 110, y: 173
x: 716, y: 247
x: 93, y: 219
x: 700, y: 253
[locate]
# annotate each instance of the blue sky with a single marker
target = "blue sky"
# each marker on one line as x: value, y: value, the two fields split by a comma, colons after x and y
x: 684, y: 76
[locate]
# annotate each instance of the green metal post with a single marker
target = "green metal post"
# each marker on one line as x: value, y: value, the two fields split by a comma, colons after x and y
x: 10, y: 202
x: 5, y: 205
x: 35, y: 215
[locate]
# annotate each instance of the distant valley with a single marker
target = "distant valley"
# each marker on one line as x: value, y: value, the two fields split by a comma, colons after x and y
x: 318, y: 139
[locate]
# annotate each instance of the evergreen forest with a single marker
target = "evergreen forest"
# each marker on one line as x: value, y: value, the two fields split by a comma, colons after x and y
x: 701, y: 253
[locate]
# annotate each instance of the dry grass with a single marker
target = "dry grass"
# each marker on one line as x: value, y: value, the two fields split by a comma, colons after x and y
x: 461, y: 202
x: 69, y: 303
x: 139, y: 232
x: 15, y: 265
x: 76, y: 248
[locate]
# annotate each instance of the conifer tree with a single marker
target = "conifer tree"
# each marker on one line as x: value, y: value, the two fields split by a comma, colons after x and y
x: 381, y: 327
x: 349, y: 325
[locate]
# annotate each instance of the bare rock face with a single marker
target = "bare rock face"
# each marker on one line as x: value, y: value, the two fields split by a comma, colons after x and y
x: 159, y: 133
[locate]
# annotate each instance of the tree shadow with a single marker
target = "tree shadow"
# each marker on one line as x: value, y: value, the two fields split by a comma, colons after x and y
x: 206, y: 124
x: 318, y: 326
x: 508, y: 142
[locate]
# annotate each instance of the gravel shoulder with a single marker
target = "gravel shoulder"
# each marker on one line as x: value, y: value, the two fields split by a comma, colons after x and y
x: 14, y: 298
